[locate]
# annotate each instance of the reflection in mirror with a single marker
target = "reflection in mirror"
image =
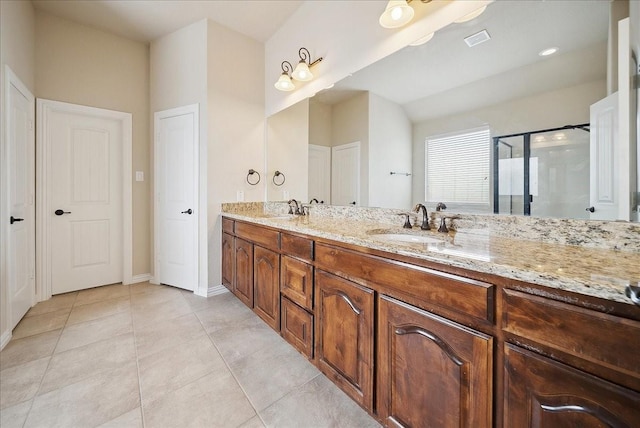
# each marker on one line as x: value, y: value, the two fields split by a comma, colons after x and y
x: 446, y: 89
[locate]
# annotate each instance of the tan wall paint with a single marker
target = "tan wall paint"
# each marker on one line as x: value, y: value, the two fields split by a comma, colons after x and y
x: 81, y: 65
x: 17, y: 50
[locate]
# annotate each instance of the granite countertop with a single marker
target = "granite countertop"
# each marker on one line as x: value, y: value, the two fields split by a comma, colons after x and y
x: 593, y: 272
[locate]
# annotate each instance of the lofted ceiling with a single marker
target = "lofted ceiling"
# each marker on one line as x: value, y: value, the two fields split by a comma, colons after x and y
x: 146, y: 20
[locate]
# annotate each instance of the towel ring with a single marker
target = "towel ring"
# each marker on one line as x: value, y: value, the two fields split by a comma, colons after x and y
x: 251, y: 172
x: 277, y: 174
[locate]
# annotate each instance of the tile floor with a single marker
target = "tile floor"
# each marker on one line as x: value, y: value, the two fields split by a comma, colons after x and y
x: 156, y: 356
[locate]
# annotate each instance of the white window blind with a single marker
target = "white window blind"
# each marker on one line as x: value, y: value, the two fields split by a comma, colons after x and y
x: 457, y: 167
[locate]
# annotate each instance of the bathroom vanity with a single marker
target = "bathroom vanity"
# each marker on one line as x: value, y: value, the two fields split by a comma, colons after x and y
x: 467, y: 330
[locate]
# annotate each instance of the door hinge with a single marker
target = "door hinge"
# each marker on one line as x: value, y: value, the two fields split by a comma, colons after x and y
x: 31, y: 125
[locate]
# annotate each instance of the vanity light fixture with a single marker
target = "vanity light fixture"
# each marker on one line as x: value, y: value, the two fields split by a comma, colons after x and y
x: 471, y: 15
x: 302, y: 72
x: 397, y: 13
x: 284, y: 83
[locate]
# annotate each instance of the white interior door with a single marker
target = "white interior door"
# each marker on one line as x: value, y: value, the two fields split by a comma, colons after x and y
x: 21, y: 187
x: 85, y: 201
x: 345, y: 174
x: 603, y: 160
x: 320, y: 173
x: 176, y: 197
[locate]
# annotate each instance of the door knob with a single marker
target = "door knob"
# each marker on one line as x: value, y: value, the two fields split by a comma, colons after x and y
x: 353, y: 203
x: 15, y: 220
x: 60, y: 212
x: 189, y: 211
x: 591, y: 209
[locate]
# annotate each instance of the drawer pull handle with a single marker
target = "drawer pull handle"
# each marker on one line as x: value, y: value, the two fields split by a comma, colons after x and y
x: 633, y: 292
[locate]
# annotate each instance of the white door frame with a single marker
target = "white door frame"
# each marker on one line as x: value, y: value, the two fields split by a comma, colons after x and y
x: 201, y: 189
x: 43, y: 268
x: 11, y: 79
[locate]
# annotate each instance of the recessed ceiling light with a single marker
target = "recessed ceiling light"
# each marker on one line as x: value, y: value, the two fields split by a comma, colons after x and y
x: 422, y: 40
x: 548, y: 51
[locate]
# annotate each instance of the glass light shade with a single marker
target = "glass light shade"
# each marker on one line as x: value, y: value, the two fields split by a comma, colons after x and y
x: 396, y: 14
x: 284, y: 83
x: 302, y: 72
x: 470, y: 16
x: 422, y: 40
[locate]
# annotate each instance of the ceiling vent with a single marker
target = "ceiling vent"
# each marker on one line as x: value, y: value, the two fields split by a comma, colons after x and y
x: 477, y: 38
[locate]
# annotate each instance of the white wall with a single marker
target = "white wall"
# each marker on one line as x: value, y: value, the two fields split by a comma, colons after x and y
x: 17, y: 50
x: 81, y: 65
x: 288, y: 152
x: 634, y: 14
x: 347, y: 35
x: 567, y: 106
x: 236, y: 130
x: 390, y: 149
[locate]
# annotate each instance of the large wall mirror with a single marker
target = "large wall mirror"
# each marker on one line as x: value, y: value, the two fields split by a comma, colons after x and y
x: 422, y: 124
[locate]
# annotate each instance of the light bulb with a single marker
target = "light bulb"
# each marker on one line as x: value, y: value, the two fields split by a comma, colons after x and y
x: 396, y: 14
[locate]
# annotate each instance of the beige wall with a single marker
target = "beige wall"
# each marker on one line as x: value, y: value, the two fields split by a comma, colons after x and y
x: 17, y: 50
x: 80, y: 65
x: 319, y: 123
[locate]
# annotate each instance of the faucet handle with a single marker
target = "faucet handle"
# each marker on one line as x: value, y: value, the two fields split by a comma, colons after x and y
x: 443, y: 224
x: 407, y: 222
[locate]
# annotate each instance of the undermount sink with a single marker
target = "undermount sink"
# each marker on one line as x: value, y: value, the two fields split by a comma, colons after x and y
x: 411, y: 239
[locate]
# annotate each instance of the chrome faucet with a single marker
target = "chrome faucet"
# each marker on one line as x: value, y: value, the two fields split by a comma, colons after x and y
x: 297, y: 210
x: 425, y: 217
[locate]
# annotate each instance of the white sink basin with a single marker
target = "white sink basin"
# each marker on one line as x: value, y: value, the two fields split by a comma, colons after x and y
x: 411, y: 239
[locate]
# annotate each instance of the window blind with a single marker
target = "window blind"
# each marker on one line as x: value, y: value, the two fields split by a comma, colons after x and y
x: 457, y: 167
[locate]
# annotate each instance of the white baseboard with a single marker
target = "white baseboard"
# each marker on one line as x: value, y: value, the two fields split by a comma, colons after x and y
x: 4, y: 339
x: 217, y: 289
x: 143, y: 277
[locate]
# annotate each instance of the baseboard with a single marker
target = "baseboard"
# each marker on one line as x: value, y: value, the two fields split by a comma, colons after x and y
x: 4, y: 339
x: 143, y: 277
x: 216, y: 289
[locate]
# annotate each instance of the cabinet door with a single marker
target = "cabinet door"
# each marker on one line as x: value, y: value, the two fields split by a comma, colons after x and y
x: 432, y: 372
x: 266, y: 288
x: 344, y: 335
x: 541, y: 392
x: 243, y: 287
x: 297, y: 327
x: 228, y: 260
x: 297, y: 282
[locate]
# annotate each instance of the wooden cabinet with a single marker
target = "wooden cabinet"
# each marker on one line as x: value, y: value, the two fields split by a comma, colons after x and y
x: 541, y: 392
x: 266, y: 288
x: 243, y: 275
x: 296, y: 282
x: 297, y: 327
x: 431, y: 372
x: 344, y: 335
x: 228, y: 260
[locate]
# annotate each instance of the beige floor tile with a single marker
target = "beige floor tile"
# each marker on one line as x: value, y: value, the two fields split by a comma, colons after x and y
x: 89, y: 402
x: 317, y: 404
x: 97, y: 294
x: 165, y: 334
x: 272, y: 373
x: 254, y: 422
x: 14, y: 416
x: 199, y: 303
x: 20, y: 351
x: 172, y: 368
x: 149, y: 314
x: 144, y: 287
x: 226, y: 405
x: 37, y: 324
x: 244, y: 338
x: 131, y: 419
x: 86, y: 361
x: 20, y: 383
x: 85, y: 333
x: 156, y: 295
x: 61, y: 301
x: 224, y: 313
x: 97, y: 310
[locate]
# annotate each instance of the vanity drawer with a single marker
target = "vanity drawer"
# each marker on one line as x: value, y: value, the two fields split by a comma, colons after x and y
x: 296, y: 281
x: 463, y: 295
x: 227, y: 225
x: 296, y: 327
x: 593, y: 336
x: 297, y: 246
x: 268, y: 238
